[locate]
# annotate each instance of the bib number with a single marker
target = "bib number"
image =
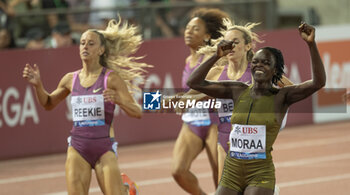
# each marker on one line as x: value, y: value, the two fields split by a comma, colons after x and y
x: 197, y: 117
x: 88, y: 110
x: 248, y: 142
x: 225, y: 111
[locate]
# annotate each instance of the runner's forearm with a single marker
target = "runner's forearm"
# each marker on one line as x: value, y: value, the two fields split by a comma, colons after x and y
x: 198, y: 76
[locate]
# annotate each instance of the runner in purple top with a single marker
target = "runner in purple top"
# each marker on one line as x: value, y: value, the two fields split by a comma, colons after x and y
x: 96, y: 88
x: 199, y: 127
x: 188, y: 70
x: 235, y: 66
x: 225, y: 112
x: 198, y: 131
x: 86, y: 133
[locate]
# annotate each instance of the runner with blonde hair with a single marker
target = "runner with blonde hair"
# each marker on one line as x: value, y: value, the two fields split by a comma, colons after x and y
x: 234, y: 66
x: 104, y: 80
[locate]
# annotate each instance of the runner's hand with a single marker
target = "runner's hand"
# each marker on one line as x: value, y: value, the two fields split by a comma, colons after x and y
x: 110, y: 95
x: 224, y: 48
x: 307, y: 32
x: 32, y: 74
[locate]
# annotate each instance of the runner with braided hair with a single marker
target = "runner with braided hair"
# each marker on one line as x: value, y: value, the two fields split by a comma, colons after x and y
x: 258, y: 113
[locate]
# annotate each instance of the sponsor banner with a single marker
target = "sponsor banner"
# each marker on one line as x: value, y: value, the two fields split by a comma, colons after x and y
x: 297, y: 68
x: 27, y: 129
x: 333, y: 43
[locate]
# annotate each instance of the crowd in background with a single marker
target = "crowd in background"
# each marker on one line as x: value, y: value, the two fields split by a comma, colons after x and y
x: 54, y: 30
x: 37, y: 24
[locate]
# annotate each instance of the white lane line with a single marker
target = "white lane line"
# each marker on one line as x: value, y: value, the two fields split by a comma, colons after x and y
x: 318, y: 142
x: 208, y: 175
x: 142, y: 183
x: 138, y: 164
x: 312, y: 160
x: 32, y: 177
x: 150, y: 182
x: 281, y: 164
x: 156, y: 162
x: 169, y: 179
x: 314, y: 180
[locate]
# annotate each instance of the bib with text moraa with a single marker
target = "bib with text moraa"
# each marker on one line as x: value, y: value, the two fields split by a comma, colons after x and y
x: 248, y: 142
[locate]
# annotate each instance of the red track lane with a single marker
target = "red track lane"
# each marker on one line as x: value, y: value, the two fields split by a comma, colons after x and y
x: 309, y: 160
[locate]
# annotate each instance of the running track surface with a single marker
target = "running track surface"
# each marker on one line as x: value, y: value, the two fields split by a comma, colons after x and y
x: 309, y: 160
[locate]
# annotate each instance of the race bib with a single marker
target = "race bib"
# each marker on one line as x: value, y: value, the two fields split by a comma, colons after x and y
x: 88, y: 110
x: 197, y: 117
x: 225, y: 111
x: 248, y: 142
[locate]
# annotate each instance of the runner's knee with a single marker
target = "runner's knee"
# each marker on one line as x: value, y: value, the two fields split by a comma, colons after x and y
x: 178, y: 172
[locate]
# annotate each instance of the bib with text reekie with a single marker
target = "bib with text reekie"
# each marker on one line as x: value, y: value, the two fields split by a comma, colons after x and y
x: 88, y: 110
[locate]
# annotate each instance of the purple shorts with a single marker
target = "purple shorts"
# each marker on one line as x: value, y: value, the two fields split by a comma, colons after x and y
x: 91, y: 149
x: 224, y: 130
x: 202, y: 131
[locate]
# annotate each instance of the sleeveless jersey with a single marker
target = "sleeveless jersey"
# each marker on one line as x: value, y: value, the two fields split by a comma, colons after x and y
x: 259, y: 112
x: 92, y: 116
x: 225, y: 112
x: 188, y: 70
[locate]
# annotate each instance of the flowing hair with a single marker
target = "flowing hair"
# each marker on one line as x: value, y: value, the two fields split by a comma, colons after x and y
x: 122, y: 40
x: 248, y: 35
x: 213, y: 20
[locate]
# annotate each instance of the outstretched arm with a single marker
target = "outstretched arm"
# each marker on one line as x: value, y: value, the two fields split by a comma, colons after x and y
x: 213, y: 75
x: 222, y: 89
x: 296, y: 93
x: 47, y: 100
x: 118, y: 93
